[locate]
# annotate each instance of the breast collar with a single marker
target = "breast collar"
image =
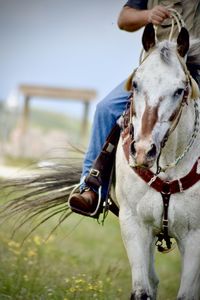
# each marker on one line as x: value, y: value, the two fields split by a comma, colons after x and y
x: 164, y: 187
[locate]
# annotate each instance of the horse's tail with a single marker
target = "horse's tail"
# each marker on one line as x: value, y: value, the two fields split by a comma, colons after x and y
x: 40, y: 196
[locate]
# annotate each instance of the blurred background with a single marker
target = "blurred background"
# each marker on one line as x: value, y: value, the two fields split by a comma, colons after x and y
x: 64, y: 45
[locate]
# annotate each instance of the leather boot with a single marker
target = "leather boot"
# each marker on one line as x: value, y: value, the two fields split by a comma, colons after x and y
x: 88, y: 203
x: 84, y: 203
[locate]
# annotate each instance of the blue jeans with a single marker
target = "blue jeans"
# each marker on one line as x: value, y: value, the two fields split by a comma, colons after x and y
x: 107, y: 112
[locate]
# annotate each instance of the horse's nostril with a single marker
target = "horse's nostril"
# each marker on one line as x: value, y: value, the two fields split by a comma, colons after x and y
x: 152, y: 152
x: 132, y: 148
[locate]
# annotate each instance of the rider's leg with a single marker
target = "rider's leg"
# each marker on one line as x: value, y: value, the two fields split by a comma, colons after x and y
x: 106, y: 115
x: 107, y: 112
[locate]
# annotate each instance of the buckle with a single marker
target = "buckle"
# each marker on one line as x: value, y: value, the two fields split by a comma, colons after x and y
x: 165, y: 223
x: 94, y: 172
x: 110, y: 147
x: 166, y: 188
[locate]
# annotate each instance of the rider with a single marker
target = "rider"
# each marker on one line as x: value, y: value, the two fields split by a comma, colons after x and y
x: 98, y: 163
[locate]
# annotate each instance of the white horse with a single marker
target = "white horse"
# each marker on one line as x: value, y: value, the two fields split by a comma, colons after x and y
x: 164, y: 114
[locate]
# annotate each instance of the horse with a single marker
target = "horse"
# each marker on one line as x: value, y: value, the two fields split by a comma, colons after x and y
x: 158, y: 150
x: 157, y: 169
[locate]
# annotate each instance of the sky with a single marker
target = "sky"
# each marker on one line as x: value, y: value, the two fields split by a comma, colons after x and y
x: 61, y: 43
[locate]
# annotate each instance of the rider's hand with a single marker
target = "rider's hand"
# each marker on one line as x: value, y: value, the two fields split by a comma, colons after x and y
x: 158, y: 14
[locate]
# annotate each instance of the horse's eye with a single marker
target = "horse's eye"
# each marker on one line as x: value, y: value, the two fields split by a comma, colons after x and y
x: 178, y: 93
x: 135, y: 86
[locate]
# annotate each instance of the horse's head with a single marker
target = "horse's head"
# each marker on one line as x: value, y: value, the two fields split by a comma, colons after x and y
x: 160, y: 85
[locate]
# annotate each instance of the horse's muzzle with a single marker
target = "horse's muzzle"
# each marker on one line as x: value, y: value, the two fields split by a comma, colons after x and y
x: 144, y: 155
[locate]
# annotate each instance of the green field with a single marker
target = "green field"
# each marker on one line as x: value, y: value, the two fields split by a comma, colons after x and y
x: 81, y: 260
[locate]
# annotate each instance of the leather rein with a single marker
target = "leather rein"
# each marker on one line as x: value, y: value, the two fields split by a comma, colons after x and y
x: 165, y: 188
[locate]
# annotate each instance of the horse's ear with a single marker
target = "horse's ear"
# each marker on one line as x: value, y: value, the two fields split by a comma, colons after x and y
x: 148, y: 37
x: 183, y: 42
x: 128, y: 83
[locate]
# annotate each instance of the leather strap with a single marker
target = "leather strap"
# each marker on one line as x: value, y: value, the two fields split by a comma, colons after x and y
x: 174, y: 186
x: 102, y: 166
x: 165, y: 221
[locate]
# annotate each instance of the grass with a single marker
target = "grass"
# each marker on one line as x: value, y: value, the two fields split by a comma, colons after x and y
x: 82, y: 260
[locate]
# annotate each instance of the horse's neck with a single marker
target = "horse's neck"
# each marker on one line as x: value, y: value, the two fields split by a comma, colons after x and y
x: 177, y: 144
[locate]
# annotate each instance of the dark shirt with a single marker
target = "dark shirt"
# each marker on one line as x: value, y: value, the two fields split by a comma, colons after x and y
x: 138, y: 4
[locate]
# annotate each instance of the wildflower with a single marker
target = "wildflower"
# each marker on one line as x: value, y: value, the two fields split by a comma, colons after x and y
x: 50, y: 291
x: 90, y: 287
x: 13, y: 244
x: 37, y: 240
x: 26, y: 277
x: 31, y: 253
x: 108, y: 279
x: 79, y: 280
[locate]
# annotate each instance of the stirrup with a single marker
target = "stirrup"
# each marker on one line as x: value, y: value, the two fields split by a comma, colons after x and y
x: 97, y: 211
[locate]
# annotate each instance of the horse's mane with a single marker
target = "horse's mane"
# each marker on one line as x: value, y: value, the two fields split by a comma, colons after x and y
x: 193, y: 59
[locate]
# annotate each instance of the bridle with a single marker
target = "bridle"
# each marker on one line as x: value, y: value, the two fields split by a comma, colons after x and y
x: 185, y: 98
